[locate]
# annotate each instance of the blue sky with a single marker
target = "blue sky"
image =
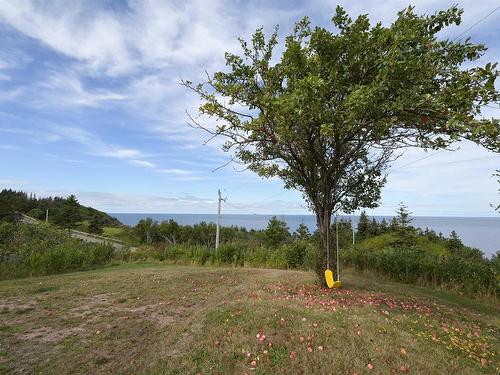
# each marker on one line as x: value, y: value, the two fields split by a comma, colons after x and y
x: 90, y: 104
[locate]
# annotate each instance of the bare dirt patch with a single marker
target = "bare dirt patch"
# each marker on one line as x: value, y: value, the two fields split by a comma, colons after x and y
x: 50, y: 334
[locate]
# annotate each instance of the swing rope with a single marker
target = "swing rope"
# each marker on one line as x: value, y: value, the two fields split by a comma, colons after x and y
x: 337, y: 238
x: 327, y: 242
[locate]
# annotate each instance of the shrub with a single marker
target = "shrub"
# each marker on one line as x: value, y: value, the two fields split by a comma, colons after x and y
x: 229, y: 254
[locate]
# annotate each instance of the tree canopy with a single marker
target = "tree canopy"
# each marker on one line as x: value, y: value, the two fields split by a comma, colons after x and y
x: 330, y: 113
x: 70, y: 213
x: 30, y: 204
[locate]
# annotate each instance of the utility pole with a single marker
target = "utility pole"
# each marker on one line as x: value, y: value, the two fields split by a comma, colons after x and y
x: 352, y: 223
x: 217, y: 234
x: 47, y: 215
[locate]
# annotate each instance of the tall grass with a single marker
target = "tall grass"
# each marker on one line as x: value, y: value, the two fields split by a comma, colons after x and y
x: 416, y: 265
x: 296, y: 255
x: 41, y: 249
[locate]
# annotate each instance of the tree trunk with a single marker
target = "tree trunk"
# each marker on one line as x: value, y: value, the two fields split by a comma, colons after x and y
x: 323, y: 217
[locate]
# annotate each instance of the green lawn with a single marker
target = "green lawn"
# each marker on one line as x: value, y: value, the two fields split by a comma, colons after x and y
x: 157, y: 319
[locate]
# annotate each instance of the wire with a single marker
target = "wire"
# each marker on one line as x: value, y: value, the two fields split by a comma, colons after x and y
x: 477, y: 23
x: 454, y: 162
x: 415, y: 161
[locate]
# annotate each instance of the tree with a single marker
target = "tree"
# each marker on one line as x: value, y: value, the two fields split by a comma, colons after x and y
x: 70, y: 214
x: 394, y: 224
x: 95, y: 225
x: 403, y: 216
x: 276, y: 233
x: 170, y: 231
x: 384, y: 227
x: 374, y: 228
x: 454, y: 242
x: 145, y: 230
x: 330, y: 114
x: 302, y: 232
x: 363, y: 226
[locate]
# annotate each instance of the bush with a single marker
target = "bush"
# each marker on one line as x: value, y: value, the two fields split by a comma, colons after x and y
x: 229, y: 254
x: 299, y: 254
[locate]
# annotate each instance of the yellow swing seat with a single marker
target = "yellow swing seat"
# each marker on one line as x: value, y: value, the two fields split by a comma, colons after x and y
x: 330, y: 282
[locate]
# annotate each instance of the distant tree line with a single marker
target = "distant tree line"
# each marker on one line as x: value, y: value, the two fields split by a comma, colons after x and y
x: 65, y: 212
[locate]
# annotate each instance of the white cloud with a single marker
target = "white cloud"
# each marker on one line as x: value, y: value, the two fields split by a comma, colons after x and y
x: 67, y: 88
x: 15, y: 182
x: 443, y: 183
x: 87, y: 34
x: 97, y: 146
x: 117, y: 202
x: 143, y: 33
x: 143, y: 163
x: 175, y: 171
x: 9, y: 95
x: 174, y: 203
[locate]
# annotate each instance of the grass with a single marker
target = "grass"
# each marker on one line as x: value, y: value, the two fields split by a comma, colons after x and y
x: 112, y: 231
x: 159, y: 319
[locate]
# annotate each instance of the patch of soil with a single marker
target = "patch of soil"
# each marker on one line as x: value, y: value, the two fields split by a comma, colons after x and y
x: 17, y: 308
x: 49, y: 334
x: 94, y: 301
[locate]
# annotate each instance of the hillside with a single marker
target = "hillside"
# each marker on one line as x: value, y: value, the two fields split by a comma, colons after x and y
x: 160, y: 319
x: 11, y: 200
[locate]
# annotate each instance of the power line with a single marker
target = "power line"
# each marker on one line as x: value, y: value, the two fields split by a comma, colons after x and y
x: 477, y: 23
x: 416, y: 161
x: 453, y: 162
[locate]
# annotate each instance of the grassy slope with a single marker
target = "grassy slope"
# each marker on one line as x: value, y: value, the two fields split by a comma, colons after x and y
x: 112, y: 231
x: 171, y: 319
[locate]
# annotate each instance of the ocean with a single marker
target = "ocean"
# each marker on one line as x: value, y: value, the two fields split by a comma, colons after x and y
x: 479, y: 232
